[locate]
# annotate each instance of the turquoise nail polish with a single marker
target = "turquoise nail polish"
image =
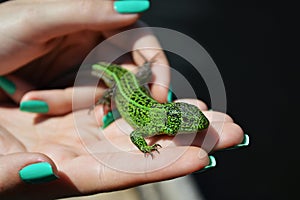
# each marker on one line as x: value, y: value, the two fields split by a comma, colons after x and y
x: 244, y: 143
x: 34, y: 106
x: 131, y: 6
x: 37, y: 173
x: 107, y: 120
x: 110, y: 118
x: 170, y: 95
x: 7, y: 85
x: 212, y: 164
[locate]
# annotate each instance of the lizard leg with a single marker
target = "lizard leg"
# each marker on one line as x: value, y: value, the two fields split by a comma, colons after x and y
x: 144, y: 75
x: 105, y: 99
x: 137, y: 138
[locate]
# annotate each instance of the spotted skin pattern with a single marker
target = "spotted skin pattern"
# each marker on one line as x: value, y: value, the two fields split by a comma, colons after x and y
x: 142, y: 112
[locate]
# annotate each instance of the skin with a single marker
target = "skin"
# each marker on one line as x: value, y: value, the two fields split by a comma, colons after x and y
x: 60, y: 44
x: 27, y: 138
x: 31, y: 137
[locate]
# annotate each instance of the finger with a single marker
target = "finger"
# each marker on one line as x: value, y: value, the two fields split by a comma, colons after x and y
x: 53, y: 102
x: 160, y: 72
x: 212, y: 139
x: 60, y: 101
x: 145, y: 48
x: 21, y: 169
x: 51, y: 19
x: 48, y: 22
x: 231, y: 135
x: 149, y: 49
x: 152, y: 51
x: 106, y: 171
x: 221, y: 133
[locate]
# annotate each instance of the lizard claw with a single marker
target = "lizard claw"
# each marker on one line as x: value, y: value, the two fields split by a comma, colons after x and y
x: 156, y: 146
x: 149, y: 150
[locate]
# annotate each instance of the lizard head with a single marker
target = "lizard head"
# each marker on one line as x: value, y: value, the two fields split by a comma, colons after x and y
x: 178, y: 117
x: 192, y: 119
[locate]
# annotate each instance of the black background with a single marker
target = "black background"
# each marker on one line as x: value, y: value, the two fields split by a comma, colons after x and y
x: 252, y: 43
x: 254, y: 46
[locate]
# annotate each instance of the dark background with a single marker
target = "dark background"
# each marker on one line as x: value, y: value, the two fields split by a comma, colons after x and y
x: 254, y: 46
x: 252, y: 43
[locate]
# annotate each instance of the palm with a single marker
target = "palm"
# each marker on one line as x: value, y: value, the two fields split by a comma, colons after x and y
x: 88, y: 159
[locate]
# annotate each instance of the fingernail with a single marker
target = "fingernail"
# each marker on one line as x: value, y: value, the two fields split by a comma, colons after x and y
x: 35, y: 106
x: 110, y: 118
x: 170, y: 95
x: 131, y: 6
x: 41, y: 172
x: 107, y: 120
x: 212, y: 164
x: 8, y: 86
x: 244, y: 143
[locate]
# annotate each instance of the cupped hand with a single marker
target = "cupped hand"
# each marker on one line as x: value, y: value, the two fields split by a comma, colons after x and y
x: 44, y: 43
x: 89, y: 160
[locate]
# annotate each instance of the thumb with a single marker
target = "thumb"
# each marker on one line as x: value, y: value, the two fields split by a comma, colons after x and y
x: 20, y: 169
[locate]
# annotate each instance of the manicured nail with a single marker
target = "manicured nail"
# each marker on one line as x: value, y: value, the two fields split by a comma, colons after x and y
x: 212, y: 164
x: 41, y: 172
x: 34, y: 106
x: 170, y: 95
x: 7, y: 85
x: 244, y: 143
x: 110, y: 118
x: 131, y: 6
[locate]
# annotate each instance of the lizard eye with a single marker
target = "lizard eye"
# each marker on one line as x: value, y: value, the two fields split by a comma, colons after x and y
x: 185, y: 119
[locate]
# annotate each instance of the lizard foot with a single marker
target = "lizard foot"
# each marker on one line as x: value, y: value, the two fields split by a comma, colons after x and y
x: 148, y: 149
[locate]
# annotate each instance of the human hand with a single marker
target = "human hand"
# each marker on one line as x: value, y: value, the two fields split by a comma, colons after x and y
x: 87, y: 160
x: 44, y: 43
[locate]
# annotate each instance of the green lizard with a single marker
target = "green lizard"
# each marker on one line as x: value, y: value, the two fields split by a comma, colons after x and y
x: 142, y: 112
